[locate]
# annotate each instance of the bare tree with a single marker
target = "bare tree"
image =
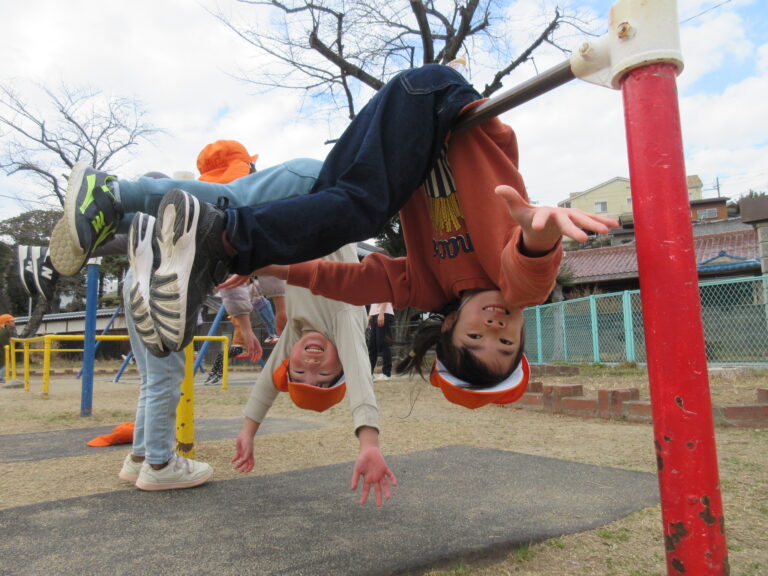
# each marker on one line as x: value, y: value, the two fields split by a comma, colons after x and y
x: 76, y: 124
x: 80, y: 124
x: 333, y: 48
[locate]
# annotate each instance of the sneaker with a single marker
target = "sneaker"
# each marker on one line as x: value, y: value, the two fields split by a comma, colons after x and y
x: 91, y: 215
x: 180, y: 472
x: 25, y: 260
x: 213, y: 380
x: 381, y: 377
x: 130, y: 470
x: 271, y: 340
x: 192, y: 262
x: 140, y: 259
x: 45, y: 275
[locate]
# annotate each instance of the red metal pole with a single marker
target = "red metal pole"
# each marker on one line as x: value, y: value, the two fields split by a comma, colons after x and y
x: 692, y: 512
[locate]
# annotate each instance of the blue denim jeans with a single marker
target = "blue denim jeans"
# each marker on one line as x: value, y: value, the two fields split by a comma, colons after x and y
x: 382, y: 157
x: 154, y: 434
x: 292, y: 178
x: 264, y: 307
x: 379, y: 340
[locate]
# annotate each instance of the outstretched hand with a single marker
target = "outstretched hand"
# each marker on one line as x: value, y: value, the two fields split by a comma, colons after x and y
x: 234, y: 281
x: 243, y: 459
x: 371, y: 466
x: 544, y: 225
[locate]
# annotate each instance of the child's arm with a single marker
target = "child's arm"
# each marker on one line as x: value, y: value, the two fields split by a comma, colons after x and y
x: 543, y: 226
x: 243, y: 323
x: 371, y: 466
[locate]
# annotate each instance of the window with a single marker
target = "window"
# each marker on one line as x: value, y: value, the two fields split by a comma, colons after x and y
x: 601, y: 207
x: 706, y: 213
x: 629, y: 200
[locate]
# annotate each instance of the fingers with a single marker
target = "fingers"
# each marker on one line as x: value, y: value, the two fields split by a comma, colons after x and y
x: 512, y: 196
x: 233, y: 281
x: 364, y: 494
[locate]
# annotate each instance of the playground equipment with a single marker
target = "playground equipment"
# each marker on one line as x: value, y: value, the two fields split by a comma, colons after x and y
x: 640, y: 55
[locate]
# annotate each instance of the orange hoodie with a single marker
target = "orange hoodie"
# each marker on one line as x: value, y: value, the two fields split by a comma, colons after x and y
x: 465, y: 240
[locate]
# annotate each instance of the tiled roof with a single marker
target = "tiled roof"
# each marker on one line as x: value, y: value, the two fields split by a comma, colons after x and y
x: 619, y: 262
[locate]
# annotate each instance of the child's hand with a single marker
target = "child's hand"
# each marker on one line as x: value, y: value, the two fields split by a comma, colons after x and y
x: 243, y: 459
x: 234, y: 281
x: 544, y: 225
x: 277, y: 270
x: 371, y: 466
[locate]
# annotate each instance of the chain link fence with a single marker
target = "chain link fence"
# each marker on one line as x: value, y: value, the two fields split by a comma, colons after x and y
x: 608, y: 328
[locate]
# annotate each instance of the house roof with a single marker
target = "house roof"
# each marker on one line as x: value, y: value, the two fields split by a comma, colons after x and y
x: 714, y: 252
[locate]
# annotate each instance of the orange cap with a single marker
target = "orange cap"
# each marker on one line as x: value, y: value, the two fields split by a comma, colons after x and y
x: 307, y: 396
x: 459, y: 392
x: 223, y: 161
x: 5, y: 318
x: 121, y: 434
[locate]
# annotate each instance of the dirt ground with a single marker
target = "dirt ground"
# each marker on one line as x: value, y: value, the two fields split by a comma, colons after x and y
x: 416, y: 417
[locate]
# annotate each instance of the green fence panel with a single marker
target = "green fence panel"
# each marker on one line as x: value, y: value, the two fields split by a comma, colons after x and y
x: 609, y: 327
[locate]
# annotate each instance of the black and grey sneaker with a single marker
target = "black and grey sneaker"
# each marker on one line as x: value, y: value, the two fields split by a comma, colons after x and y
x: 91, y: 207
x: 26, y: 266
x: 45, y: 275
x: 141, y: 260
x: 192, y: 262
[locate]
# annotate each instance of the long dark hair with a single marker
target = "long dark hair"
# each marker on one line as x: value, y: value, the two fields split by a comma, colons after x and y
x: 459, y: 361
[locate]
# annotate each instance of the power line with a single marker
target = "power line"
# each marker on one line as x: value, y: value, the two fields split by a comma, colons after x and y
x: 704, y: 11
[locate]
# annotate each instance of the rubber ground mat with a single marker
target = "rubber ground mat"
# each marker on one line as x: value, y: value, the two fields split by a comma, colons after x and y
x: 452, y: 503
x: 72, y: 442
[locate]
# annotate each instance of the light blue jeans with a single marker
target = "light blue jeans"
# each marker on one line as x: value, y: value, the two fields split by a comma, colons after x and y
x: 292, y: 178
x: 264, y: 307
x: 154, y: 434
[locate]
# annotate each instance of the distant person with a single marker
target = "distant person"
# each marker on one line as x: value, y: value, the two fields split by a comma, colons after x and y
x: 380, y: 319
x: 7, y: 331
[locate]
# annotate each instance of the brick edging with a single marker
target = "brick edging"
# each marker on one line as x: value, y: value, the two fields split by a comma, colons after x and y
x: 625, y: 404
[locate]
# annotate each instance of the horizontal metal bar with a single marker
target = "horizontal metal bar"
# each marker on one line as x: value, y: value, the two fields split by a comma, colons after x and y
x: 536, y: 86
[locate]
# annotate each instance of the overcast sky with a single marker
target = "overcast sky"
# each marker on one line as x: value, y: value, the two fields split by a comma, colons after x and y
x: 182, y: 64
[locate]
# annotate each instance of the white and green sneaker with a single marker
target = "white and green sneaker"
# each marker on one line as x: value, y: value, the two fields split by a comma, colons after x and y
x: 91, y: 215
x: 180, y: 472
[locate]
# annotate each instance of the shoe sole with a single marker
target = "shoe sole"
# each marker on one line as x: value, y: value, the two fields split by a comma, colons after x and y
x: 126, y: 477
x: 66, y: 256
x: 140, y: 258
x: 175, y: 232
x: 155, y: 486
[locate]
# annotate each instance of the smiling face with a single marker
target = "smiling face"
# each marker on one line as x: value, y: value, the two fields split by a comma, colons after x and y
x: 490, y: 329
x: 314, y: 360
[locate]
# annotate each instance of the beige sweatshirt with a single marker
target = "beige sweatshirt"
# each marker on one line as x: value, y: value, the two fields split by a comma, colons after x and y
x: 344, y: 324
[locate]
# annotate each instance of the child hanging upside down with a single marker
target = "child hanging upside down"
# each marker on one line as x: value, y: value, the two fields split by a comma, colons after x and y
x: 478, y: 252
x: 320, y: 356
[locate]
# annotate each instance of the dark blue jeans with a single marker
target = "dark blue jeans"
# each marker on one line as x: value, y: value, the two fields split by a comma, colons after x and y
x: 379, y: 343
x: 382, y: 157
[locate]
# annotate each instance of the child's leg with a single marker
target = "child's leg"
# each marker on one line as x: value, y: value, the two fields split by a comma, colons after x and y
x: 267, y: 314
x: 384, y: 155
x: 384, y: 345
x: 286, y: 180
x: 373, y: 346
